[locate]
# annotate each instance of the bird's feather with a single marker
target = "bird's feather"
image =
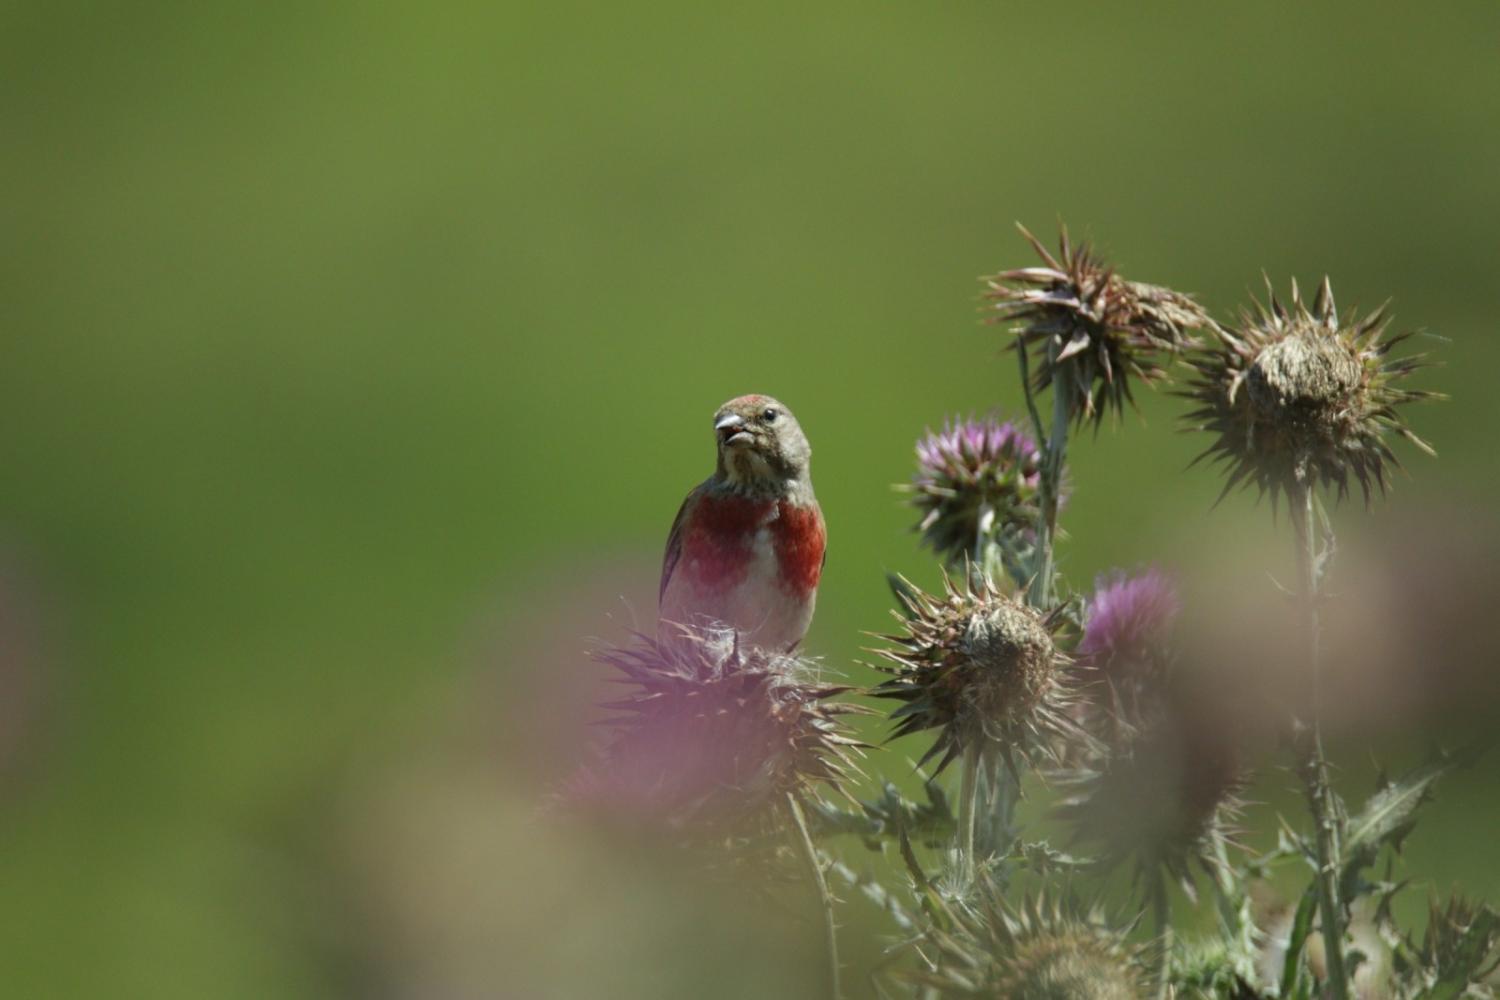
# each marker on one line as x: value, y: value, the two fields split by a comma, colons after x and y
x: 673, y: 553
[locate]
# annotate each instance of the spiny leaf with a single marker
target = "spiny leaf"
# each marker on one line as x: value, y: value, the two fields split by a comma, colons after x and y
x: 1291, y: 969
x: 1388, y: 814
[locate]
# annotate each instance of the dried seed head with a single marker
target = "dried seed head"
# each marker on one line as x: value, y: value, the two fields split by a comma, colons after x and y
x: 1014, y: 662
x: 974, y: 476
x: 1039, y: 950
x: 715, y: 734
x: 1297, y: 397
x: 983, y: 669
x: 1088, y: 327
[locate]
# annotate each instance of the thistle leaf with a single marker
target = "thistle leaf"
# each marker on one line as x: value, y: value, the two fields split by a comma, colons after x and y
x: 1389, y: 814
x: 1291, y: 969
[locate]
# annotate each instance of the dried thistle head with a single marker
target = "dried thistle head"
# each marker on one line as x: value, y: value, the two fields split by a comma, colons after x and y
x: 1298, y: 397
x: 983, y: 669
x: 715, y: 734
x: 973, y: 477
x: 1089, y: 328
x: 1040, y: 950
x: 1158, y: 794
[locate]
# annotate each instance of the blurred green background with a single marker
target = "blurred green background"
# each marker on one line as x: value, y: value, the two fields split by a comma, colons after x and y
x: 356, y: 356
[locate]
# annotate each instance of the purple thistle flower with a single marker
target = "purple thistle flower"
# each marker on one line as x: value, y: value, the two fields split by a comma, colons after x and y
x: 970, y: 470
x: 1128, y: 617
x: 970, y: 444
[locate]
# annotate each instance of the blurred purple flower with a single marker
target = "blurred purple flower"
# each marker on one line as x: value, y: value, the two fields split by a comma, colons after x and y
x: 1128, y: 617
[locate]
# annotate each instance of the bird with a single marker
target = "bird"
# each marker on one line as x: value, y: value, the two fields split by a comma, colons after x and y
x: 748, y: 545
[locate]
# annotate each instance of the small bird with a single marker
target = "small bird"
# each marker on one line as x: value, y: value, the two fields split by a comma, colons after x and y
x: 747, y: 546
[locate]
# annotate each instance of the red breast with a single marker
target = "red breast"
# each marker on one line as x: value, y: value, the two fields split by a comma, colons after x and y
x: 800, y: 538
x: 719, y: 540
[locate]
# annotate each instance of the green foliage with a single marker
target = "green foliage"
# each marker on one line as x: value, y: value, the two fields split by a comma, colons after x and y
x: 1457, y: 954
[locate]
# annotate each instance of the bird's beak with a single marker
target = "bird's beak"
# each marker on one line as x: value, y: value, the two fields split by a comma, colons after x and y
x: 731, y: 429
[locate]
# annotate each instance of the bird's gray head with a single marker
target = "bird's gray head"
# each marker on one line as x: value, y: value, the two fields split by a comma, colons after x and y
x: 760, y: 443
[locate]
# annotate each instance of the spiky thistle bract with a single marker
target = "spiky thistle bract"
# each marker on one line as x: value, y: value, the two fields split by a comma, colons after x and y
x: 1458, y: 955
x: 1085, y: 325
x: 1298, y: 397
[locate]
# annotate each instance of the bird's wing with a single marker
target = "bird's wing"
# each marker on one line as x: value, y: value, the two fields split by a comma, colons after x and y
x: 674, y: 538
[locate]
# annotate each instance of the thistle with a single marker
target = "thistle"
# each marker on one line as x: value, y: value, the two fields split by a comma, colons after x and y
x: 1298, y: 397
x: 976, y: 480
x: 1040, y: 950
x: 1091, y: 330
x: 1160, y: 791
x: 981, y: 668
x: 716, y: 734
x: 1457, y: 957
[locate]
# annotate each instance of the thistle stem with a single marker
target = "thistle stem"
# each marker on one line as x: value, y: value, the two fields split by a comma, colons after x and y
x: 1036, y: 416
x: 1312, y: 764
x: 985, y: 550
x: 824, y: 895
x: 1161, y: 914
x: 968, y: 801
x: 1054, y: 452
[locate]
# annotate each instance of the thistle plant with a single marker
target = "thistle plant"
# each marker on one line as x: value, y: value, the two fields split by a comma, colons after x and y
x: 1092, y: 332
x: 1160, y: 791
x: 984, y: 671
x: 723, y: 744
x: 1299, y: 399
x: 1021, y: 677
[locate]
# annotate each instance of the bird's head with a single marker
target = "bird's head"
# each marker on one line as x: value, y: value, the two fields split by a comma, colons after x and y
x: 760, y: 442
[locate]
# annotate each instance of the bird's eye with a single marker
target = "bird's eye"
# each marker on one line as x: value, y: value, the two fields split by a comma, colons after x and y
x: 770, y: 415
